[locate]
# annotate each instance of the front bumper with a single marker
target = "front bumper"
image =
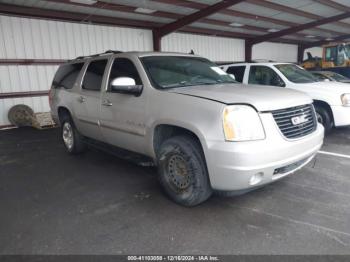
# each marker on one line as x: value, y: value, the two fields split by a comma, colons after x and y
x: 341, y: 115
x: 236, y: 166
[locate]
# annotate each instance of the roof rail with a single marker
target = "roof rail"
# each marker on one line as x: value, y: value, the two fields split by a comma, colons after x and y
x: 262, y: 60
x: 100, y: 54
x: 249, y: 61
x: 222, y: 63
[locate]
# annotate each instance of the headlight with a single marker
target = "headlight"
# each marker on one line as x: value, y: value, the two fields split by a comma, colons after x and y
x: 242, y: 123
x: 345, y: 99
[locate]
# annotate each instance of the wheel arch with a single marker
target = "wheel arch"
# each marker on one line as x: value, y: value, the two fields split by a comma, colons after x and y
x: 325, y: 105
x: 162, y: 132
x: 63, y: 112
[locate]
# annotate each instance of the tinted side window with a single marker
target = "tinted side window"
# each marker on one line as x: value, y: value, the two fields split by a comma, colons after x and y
x: 263, y: 75
x: 237, y: 71
x: 94, y: 75
x: 123, y: 67
x: 66, y: 75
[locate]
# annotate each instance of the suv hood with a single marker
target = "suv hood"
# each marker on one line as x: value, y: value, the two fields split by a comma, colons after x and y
x: 262, y: 98
x: 334, y: 87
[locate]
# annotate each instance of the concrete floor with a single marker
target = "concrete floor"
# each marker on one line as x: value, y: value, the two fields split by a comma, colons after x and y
x: 53, y: 203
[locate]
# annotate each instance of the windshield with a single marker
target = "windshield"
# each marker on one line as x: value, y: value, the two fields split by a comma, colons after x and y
x: 321, y: 77
x: 296, y: 74
x: 337, y: 76
x: 178, y: 71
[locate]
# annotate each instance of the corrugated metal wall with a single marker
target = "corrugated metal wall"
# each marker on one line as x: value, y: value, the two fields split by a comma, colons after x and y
x: 23, y: 38
x: 276, y: 52
x: 214, y: 48
x: 227, y: 49
x: 21, y: 79
x: 35, y: 38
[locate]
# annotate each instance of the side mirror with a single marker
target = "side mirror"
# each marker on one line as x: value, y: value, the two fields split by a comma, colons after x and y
x: 232, y: 76
x: 278, y: 82
x: 126, y: 85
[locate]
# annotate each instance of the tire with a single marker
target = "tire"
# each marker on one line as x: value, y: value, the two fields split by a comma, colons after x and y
x: 182, y: 171
x: 21, y: 115
x: 72, y: 139
x: 324, y: 117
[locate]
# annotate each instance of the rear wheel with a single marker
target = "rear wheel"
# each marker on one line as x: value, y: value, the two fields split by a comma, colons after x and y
x: 72, y: 139
x: 324, y: 118
x: 182, y: 171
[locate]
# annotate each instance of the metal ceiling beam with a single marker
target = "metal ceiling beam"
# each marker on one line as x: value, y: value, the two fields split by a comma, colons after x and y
x: 235, y: 13
x: 32, y: 12
x: 70, y: 16
x: 299, y: 28
x: 283, y: 8
x: 131, y: 9
x: 334, y: 5
x: 229, y: 12
x: 324, y: 42
x: 287, y: 9
x: 176, y: 25
x: 171, y: 15
x: 118, y: 7
x: 158, y: 33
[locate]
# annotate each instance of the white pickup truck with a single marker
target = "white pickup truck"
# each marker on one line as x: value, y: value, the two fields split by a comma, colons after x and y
x: 331, y: 99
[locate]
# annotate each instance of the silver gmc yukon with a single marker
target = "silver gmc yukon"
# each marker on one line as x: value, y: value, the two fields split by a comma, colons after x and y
x: 203, y: 130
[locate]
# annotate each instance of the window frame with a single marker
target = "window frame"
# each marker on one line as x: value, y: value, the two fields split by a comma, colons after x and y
x: 270, y: 68
x: 76, y: 78
x: 87, y: 64
x: 336, y: 53
x: 111, y: 62
x: 236, y: 66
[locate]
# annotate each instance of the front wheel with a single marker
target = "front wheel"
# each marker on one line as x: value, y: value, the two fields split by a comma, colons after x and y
x: 183, y: 172
x: 324, y: 118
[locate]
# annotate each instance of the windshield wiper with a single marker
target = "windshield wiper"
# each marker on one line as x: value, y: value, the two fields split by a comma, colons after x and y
x: 181, y: 84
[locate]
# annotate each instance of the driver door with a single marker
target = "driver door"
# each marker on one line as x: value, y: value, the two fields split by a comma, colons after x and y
x: 122, y: 116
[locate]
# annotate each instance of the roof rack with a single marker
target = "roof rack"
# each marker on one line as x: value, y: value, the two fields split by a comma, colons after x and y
x: 100, y: 54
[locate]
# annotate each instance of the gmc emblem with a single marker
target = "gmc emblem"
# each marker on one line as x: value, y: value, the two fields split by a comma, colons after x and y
x: 298, y: 120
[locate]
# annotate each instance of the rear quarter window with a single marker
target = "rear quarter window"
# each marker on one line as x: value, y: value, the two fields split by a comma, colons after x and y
x: 237, y: 71
x: 66, y: 75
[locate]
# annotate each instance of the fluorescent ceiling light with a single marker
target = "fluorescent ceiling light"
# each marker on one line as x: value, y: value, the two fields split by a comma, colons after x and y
x: 273, y: 30
x: 144, y: 10
x: 310, y: 36
x: 85, y: 2
x: 236, y: 24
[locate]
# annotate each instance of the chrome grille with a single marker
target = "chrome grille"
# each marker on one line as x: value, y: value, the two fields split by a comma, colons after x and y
x: 297, y: 121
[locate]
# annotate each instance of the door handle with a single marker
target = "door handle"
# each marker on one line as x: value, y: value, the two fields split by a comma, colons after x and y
x: 81, y: 99
x: 106, y: 102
